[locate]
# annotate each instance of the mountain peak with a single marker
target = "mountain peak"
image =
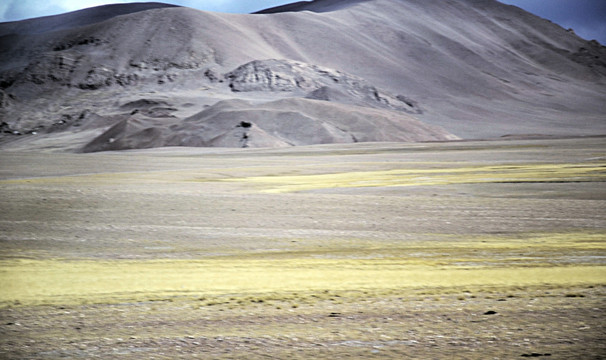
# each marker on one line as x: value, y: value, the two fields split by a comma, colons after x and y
x: 314, y: 6
x: 77, y: 18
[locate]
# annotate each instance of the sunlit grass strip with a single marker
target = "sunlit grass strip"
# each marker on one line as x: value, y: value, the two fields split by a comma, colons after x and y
x: 443, y: 176
x: 570, y: 172
x: 573, y: 240
x: 61, y: 282
x: 452, y: 248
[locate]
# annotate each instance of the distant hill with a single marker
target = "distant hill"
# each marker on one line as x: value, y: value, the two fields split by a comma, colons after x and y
x: 149, y: 74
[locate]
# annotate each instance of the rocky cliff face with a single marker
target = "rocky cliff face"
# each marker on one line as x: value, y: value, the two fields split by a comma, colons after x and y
x: 314, y: 82
x: 136, y: 75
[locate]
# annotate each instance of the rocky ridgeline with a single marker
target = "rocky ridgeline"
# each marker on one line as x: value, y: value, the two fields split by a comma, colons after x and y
x: 316, y: 82
x: 76, y: 70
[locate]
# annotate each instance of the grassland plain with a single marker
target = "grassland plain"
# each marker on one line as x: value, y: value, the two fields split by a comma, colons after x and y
x: 479, y: 250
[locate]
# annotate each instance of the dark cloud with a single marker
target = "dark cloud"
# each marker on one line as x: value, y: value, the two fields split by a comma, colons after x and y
x: 586, y: 17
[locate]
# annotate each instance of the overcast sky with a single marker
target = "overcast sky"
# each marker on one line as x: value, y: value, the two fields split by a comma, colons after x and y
x: 586, y: 17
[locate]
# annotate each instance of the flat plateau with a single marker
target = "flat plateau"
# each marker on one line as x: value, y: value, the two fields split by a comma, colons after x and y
x: 468, y: 250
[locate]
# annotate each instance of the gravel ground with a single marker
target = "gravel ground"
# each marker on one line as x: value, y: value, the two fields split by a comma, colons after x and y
x: 174, y: 204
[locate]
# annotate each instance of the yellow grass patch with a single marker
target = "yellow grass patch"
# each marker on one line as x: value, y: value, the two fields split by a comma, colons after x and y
x: 479, y: 261
x: 57, y: 281
x: 418, y: 177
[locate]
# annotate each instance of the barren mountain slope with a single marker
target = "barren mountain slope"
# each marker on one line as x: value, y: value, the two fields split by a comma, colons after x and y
x: 475, y: 68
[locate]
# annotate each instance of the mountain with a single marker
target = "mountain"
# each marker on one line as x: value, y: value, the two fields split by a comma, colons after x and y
x: 149, y: 74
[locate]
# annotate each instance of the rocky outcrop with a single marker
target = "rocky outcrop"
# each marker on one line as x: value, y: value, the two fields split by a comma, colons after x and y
x: 5, y: 100
x: 593, y: 55
x: 318, y: 83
